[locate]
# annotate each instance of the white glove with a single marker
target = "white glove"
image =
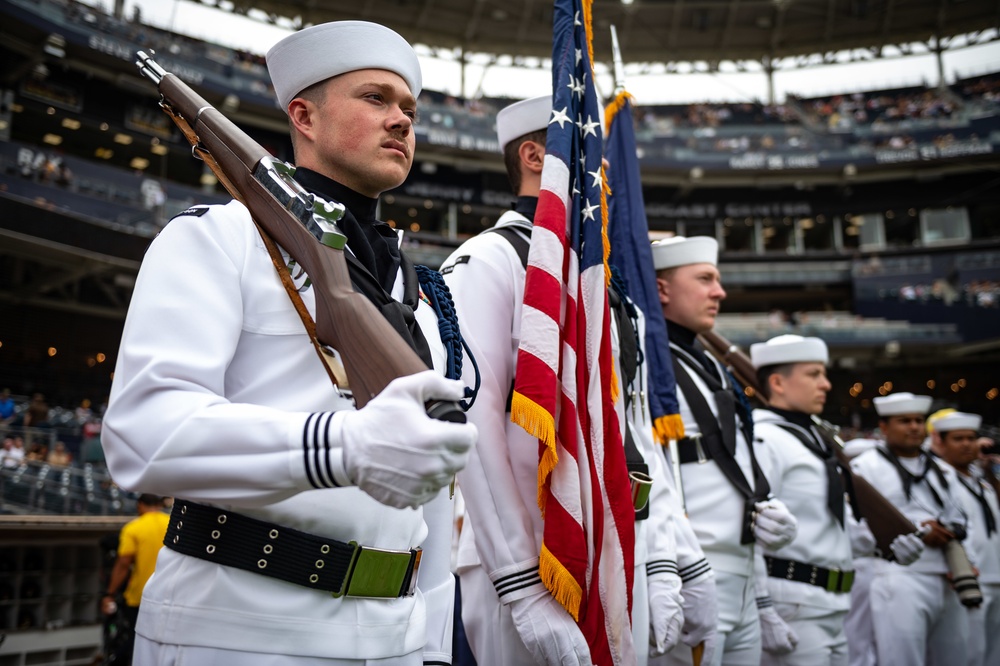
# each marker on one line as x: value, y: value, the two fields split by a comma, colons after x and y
x: 862, y: 539
x: 701, y: 615
x: 775, y: 526
x: 907, y: 548
x: 549, y: 632
x: 775, y: 635
x: 666, y: 616
x: 395, y: 452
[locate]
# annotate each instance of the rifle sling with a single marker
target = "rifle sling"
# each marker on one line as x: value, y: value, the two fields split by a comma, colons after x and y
x: 838, y: 474
x: 712, y: 437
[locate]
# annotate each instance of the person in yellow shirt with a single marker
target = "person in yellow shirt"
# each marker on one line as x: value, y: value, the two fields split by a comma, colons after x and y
x: 139, y: 543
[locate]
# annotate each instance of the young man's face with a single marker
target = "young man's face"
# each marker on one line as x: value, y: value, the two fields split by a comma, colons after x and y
x: 959, y: 448
x: 691, y: 295
x: 903, y: 433
x: 363, y: 131
x: 803, y: 389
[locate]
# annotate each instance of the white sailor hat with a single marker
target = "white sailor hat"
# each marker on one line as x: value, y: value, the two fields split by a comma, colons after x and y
x: 855, y: 447
x: 524, y: 117
x: 895, y: 404
x: 681, y: 251
x: 789, y: 349
x: 322, y: 51
x: 958, y: 421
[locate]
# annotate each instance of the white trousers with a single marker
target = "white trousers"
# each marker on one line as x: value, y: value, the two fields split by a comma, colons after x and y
x: 984, y: 628
x: 488, y: 626
x: 738, y: 639
x: 640, y: 616
x: 858, y: 623
x: 918, y: 619
x: 821, y: 637
x: 151, y: 653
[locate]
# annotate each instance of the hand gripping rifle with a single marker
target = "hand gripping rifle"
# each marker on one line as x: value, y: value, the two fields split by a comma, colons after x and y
x: 305, y: 225
x: 884, y: 519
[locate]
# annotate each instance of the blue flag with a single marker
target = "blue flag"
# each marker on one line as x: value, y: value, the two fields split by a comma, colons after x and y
x: 631, y: 253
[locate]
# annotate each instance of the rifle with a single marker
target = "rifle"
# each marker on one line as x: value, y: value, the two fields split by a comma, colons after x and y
x: 305, y: 225
x: 884, y: 519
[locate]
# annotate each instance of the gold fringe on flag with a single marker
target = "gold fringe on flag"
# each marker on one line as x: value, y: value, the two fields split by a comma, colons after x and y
x: 668, y: 427
x: 535, y: 419
x: 560, y: 582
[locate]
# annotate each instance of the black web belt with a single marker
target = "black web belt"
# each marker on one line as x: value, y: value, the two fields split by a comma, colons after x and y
x: 831, y: 580
x: 234, y: 540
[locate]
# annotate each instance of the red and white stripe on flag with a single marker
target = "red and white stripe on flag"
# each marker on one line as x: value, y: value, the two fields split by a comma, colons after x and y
x: 565, y: 386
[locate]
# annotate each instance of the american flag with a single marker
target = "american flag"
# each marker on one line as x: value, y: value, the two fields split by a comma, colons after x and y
x: 565, y: 387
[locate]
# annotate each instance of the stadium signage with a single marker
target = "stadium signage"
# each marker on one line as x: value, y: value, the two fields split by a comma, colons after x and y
x: 435, y: 191
x: 462, y: 141
x: 714, y: 211
x: 769, y: 162
x: 775, y: 209
x: 931, y: 152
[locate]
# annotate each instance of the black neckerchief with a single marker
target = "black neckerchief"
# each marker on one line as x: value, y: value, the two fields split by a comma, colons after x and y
x: 526, y: 206
x: 838, y: 476
x: 687, y: 340
x: 374, y: 259
x: 374, y: 243
x: 798, y: 418
x: 908, y: 478
x: 991, y: 520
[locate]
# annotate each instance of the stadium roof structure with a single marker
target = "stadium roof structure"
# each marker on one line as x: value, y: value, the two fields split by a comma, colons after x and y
x: 660, y: 31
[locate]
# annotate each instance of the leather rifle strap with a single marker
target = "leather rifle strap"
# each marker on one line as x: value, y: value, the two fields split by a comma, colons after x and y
x: 334, y: 368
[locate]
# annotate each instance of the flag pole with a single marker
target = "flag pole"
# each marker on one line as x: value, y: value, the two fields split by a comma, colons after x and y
x: 618, y: 65
x: 697, y: 651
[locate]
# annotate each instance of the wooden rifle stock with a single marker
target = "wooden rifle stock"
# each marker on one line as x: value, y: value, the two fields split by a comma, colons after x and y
x: 884, y: 519
x: 303, y: 224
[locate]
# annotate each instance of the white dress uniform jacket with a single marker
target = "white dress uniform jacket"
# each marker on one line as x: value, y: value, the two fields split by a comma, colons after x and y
x: 715, y: 509
x: 916, y: 615
x: 799, y: 479
x: 215, y: 382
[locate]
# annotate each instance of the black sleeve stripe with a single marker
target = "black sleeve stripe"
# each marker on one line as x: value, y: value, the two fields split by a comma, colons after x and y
x: 764, y: 602
x: 517, y: 581
x: 695, y: 570
x: 516, y: 574
x: 661, y: 566
x: 305, y: 450
x: 316, y: 450
x: 324, y: 428
x: 530, y: 583
x: 437, y: 663
x: 320, y: 481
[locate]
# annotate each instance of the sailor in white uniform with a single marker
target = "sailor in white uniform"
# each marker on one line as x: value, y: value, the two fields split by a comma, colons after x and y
x: 955, y: 442
x: 917, y: 616
x: 221, y: 400
x: 725, y: 492
x: 509, y: 616
x: 809, y: 580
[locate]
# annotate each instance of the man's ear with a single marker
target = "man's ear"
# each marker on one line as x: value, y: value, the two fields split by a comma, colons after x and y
x: 775, y: 384
x: 300, y: 115
x: 663, y: 290
x: 532, y: 156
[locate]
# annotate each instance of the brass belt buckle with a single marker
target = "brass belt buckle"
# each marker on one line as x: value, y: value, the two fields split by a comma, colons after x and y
x: 376, y: 573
